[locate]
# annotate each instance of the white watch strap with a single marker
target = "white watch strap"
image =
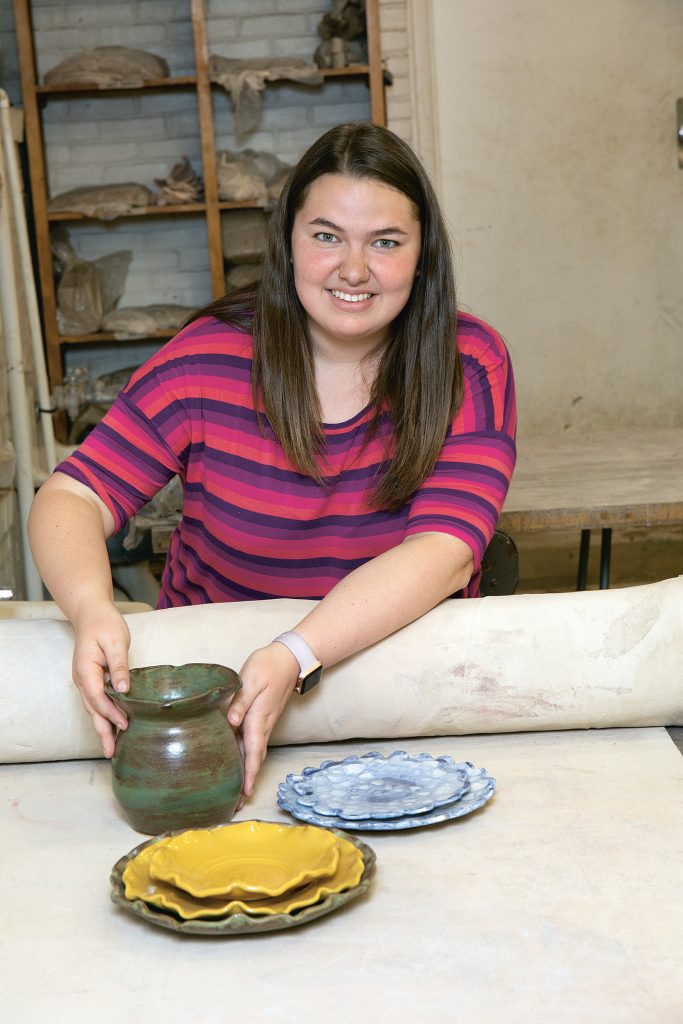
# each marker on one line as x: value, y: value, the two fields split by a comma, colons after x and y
x: 301, y: 651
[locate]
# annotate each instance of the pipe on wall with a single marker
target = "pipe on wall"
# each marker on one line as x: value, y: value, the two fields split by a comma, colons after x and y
x: 36, y: 335
x: 20, y: 411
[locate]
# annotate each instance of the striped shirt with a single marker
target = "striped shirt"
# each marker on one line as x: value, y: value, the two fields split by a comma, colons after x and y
x: 252, y: 526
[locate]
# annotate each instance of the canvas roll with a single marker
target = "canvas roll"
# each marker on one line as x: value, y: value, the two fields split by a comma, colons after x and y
x: 594, y: 659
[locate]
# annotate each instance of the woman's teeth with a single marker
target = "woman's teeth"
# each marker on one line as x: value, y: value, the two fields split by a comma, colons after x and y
x: 351, y: 298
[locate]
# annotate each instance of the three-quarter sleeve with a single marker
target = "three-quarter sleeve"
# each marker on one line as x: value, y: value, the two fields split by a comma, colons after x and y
x: 464, y: 495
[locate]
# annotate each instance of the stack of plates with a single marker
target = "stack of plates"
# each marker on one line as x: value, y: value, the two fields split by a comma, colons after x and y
x: 246, y: 876
x: 376, y: 793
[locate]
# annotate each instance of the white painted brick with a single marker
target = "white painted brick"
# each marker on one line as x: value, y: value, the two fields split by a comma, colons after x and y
x: 145, y: 127
x: 297, y: 46
x: 219, y: 8
x: 239, y: 49
x: 59, y: 154
x: 189, y: 259
x: 319, y: 6
x: 77, y: 14
x: 221, y: 29
x: 342, y: 112
x: 109, y: 153
x: 399, y: 110
x: 182, y: 124
x: 398, y: 65
x: 273, y: 26
x: 403, y: 128
x: 108, y: 108
x: 180, y: 32
x: 60, y: 179
x: 165, y: 149
x: 394, y: 43
x: 62, y: 41
x: 47, y: 17
x: 70, y: 132
x: 162, y: 10
x: 274, y: 118
x: 140, y: 37
x: 392, y: 17
x: 162, y: 261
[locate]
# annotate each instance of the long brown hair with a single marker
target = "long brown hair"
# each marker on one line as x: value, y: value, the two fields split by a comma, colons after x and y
x: 419, y: 375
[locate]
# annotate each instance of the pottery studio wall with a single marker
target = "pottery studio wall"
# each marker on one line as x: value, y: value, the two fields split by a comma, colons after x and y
x: 553, y: 146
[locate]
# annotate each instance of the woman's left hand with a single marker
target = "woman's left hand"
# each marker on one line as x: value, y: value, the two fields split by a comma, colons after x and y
x: 268, y: 679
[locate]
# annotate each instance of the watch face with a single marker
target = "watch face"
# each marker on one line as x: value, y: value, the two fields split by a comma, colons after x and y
x: 310, y: 680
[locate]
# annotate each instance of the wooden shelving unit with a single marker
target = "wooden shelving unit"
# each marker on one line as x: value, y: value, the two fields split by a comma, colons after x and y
x: 35, y: 95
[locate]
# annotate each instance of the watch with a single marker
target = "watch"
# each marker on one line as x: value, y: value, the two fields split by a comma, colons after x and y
x: 310, y: 669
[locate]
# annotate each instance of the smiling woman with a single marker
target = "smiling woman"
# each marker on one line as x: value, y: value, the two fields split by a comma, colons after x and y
x: 341, y: 434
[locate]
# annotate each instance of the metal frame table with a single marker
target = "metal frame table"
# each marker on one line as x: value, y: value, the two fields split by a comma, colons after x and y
x: 602, y: 480
x: 561, y: 899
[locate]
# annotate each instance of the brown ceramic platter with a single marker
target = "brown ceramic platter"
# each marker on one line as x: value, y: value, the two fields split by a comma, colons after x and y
x: 238, y: 924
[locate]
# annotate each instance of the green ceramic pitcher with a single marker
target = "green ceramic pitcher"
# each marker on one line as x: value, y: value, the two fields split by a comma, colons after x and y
x: 177, y: 765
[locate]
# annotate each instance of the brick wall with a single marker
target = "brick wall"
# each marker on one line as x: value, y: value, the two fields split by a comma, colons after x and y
x: 137, y: 138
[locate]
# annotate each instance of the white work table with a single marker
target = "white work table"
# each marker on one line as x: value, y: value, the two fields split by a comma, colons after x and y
x: 560, y: 901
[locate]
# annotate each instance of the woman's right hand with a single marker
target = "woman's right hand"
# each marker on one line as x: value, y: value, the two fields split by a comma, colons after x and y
x: 101, y: 653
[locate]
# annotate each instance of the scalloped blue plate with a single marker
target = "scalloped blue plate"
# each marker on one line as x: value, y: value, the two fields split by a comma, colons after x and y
x: 481, y: 789
x: 376, y: 786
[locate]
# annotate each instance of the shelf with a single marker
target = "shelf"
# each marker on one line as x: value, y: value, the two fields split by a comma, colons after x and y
x: 76, y: 88
x: 154, y: 211
x: 211, y: 208
x: 102, y: 336
x: 178, y: 82
x: 350, y: 69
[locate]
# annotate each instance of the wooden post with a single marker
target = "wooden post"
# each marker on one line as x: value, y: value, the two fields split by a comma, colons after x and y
x: 213, y: 213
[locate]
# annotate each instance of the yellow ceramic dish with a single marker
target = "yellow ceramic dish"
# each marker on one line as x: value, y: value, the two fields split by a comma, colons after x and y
x: 245, y: 859
x: 139, y: 885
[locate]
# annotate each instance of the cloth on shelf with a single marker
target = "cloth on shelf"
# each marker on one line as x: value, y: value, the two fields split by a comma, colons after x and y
x: 580, y: 660
x: 86, y: 291
x: 8, y: 465
x: 143, y: 321
x: 250, y: 175
x: 244, y: 235
x: 106, y: 66
x: 242, y: 274
x: 245, y: 80
x: 181, y: 185
x: 104, y: 202
x: 343, y: 32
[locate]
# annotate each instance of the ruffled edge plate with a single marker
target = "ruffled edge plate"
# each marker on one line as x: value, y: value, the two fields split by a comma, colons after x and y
x: 244, y: 859
x: 239, y: 924
x: 406, y: 766
x: 482, y: 788
x: 138, y: 884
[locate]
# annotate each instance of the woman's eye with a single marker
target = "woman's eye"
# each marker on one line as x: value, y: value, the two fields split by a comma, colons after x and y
x: 385, y: 243
x: 326, y: 236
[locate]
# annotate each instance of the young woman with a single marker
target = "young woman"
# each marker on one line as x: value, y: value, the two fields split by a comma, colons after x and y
x: 341, y: 434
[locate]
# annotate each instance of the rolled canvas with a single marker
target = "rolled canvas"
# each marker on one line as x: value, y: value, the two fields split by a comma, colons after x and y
x: 594, y: 659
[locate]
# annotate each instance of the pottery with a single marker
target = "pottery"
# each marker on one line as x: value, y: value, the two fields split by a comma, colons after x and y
x: 177, y: 765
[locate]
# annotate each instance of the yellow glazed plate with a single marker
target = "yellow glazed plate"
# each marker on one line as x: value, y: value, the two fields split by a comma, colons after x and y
x: 233, y: 925
x: 245, y: 859
x: 139, y: 885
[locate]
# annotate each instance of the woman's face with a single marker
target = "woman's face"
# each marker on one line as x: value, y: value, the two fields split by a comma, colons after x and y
x: 355, y: 250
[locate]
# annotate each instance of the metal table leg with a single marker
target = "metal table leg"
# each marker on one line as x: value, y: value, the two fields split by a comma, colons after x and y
x: 583, y: 560
x: 605, y: 555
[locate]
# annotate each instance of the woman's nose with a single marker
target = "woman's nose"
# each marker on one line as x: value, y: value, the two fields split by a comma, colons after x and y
x: 354, y: 267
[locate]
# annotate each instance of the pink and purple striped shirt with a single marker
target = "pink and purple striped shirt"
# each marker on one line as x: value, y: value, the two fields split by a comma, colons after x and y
x: 253, y: 527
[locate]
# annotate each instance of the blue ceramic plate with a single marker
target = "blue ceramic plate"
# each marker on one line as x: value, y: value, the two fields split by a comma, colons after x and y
x: 482, y: 788
x: 374, y: 786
